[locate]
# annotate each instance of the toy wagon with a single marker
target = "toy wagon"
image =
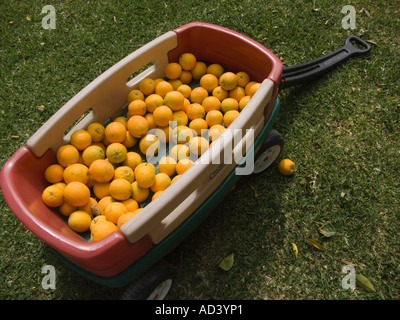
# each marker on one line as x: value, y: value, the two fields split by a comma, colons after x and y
x: 135, y: 255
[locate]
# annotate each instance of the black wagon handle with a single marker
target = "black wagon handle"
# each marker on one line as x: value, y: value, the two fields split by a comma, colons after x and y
x: 304, y: 72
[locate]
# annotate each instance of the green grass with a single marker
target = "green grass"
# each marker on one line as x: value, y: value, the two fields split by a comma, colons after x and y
x: 342, y: 131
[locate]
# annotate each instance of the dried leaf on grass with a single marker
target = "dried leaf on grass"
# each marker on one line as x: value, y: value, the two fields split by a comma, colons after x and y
x: 296, y: 251
x: 364, y: 283
x: 227, y: 263
x: 315, y: 244
x: 327, y: 232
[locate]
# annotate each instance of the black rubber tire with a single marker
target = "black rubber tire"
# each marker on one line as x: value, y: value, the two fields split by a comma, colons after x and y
x: 269, y: 151
x: 154, y: 284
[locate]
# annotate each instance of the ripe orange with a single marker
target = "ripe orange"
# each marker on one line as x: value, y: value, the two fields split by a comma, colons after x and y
x: 162, y: 115
x: 114, y: 210
x: 155, y: 195
x: 243, y: 79
x: 215, y: 132
x: 121, y: 119
x: 162, y: 182
x: 97, y: 220
x: 79, y: 221
x: 229, y: 116
x: 198, y: 145
x: 124, y: 172
x: 147, y: 86
x: 76, y: 193
x: 53, y: 196
x: 138, y: 193
x: 145, y: 175
x: 228, y: 80
x: 153, y: 101
x: 229, y: 104
x: 220, y: 93
x: 211, y: 103
x: 66, y: 209
x: 173, y: 70
x: 101, y: 189
x: 126, y: 217
x: 102, y: 230
x: 163, y: 87
x: 182, y: 134
x: 254, y: 88
x: 183, y: 165
x: 104, y: 202
x: 198, y: 94
x: 174, y: 100
x: 185, y: 90
x: 180, y: 117
x: 76, y: 172
x: 214, y: 117
x: 131, y: 204
x: 179, y: 151
x: 150, y: 120
x: 120, y: 189
x: 149, y: 145
x: 187, y: 61
x: 137, y: 107
x: 195, y: 110
x: 243, y: 102
x: 96, y: 130
x: 199, y: 70
x: 286, y: 167
x: 116, y: 152
x: 138, y: 126
x: 81, y: 139
x: 91, y: 153
x: 237, y: 93
x: 132, y: 159
x: 67, y: 154
x: 129, y: 141
x: 91, y: 207
x: 115, y: 132
x: 198, y: 125
x: 175, y: 83
x: 101, y: 170
x: 167, y: 165
x: 54, y: 173
x: 215, y: 69
x: 135, y: 94
x: 209, y: 82
x: 186, y: 76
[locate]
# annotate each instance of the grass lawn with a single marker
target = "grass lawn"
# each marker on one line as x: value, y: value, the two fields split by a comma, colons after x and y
x: 342, y: 131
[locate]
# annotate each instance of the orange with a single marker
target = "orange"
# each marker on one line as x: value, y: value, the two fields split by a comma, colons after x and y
x: 167, y: 165
x: 228, y: 80
x: 243, y: 79
x: 102, y: 230
x: 104, y: 202
x: 163, y: 87
x: 115, y: 132
x: 215, y: 131
x: 155, y: 195
x: 66, y: 209
x: 150, y: 120
x: 138, y: 193
x: 286, y: 167
x: 229, y: 116
x: 92, y: 153
x: 149, y: 145
x: 182, y: 134
x: 199, y: 70
x: 91, y: 207
x: 243, y: 102
x: 185, y: 90
x: 101, y: 170
x: 96, y: 130
x: 126, y: 217
x: 214, y: 117
x: 100, y: 144
x: 131, y: 204
x: 97, y: 220
x: 220, y: 93
x: 61, y: 185
x: 137, y: 126
x: 114, y: 210
x: 186, y: 77
x: 179, y: 151
x: 162, y: 115
x: 101, y: 189
x: 173, y: 70
x: 187, y: 61
x: 79, y: 221
x: 180, y: 117
x: 67, y: 154
x: 198, y: 125
x: 195, y: 110
x: 211, y: 103
x: 81, y: 139
x: 237, y: 93
x: 175, y: 83
x: 215, y: 69
x: 124, y: 172
x: 76, y: 172
x: 174, y: 100
x: 116, y: 152
x: 229, y: 104
x: 120, y: 189
x: 254, y: 88
x: 137, y: 107
x: 147, y: 86
x: 198, y: 94
x: 175, y: 178
x: 132, y: 159
x: 145, y: 175
x: 209, y: 82
x: 121, y: 119
x: 76, y: 193
x: 54, y: 173
x: 183, y: 165
x: 129, y: 141
x: 153, y: 101
x: 162, y: 182
x: 135, y: 94
x: 198, y: 145
x: 53, y: 196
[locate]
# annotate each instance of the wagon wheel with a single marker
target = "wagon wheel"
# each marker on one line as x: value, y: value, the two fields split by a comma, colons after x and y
x: 152, y: 285
x: 269, y: 151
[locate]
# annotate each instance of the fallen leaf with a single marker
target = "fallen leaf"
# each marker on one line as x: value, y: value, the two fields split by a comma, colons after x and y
x: 28, y: 17
x: 296, y: 251
x: 348, y: 263
x: 227, y: 263
x: 315, y: 244
x: 364, y: 283
x: 40, y: 108
x: 373, y: 42
x: 326, y: 232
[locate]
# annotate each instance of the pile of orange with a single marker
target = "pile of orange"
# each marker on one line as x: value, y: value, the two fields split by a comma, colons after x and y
x: 102, y: 177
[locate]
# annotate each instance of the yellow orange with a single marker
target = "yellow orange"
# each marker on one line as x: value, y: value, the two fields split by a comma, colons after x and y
x: 135, y: 94
x: 228, y: 80
x: 96, y: 220
x: 114, y: 210
x: 163, y: 87
x: 209, y: 82
x: 53, y: 196
x: 155, y: 195
x: 248, y: 86
x: 220, y: 93
x: 145, y: 175
x: 187, y: 61
x: 229, y: 116
x: 101, y: 230
x: 132, y: 159
x: 198, y: 94
x: 186, y: 77
x: 91, y: 153
x: 76, y: 193
x: 162, y: 115
x: 182, y: 134
x: 198, y: 125
x: 137, y: 126
x: 79, y: 221
x: 101, y: 189
x: 101, y: 170
x: 126, y: 217
x: 286, y: 167
x: 137, y: 107
x: 243, y: 79
x: 211, y: 103
x: 67, y: 155
x: 124, y: 172
x: 199, y: 70
x: 180, y: 117
x: 175, y: 83
x: 91, y: 207
x: 167, y: 165
x: 54, y: 173
x: 195, y: 110
x: 229, y: 104
x: 237, y: 93
x: 131, y: 204
x: 254, y: 88
x: 215, y: 132
x: 150, y: 120
x: 116, y: 152
x: 198, y: 145
x: 173, y: 70
x: 243, y: 102
x: 214, y: 117
x: 115, y: 132
x: 216, y: 69
x: 129, y: 141
x: 104, y: 202
x: 66, y: 209
x: 120, y: 189
x: 183, y: 165
x: 81, y: 139
x: 96, y: 131
x: 138, y: 193
x: 185, y: 90
x: 149, y: 145
x: 179, y: 151
x: 153, y: 101
x: 174, y: 100
x: 147, y: 86
x: 76, y: 172
x: 162, y: 182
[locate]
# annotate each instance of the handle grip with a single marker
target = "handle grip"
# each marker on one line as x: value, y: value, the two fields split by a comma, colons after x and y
x: 301, y: 73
